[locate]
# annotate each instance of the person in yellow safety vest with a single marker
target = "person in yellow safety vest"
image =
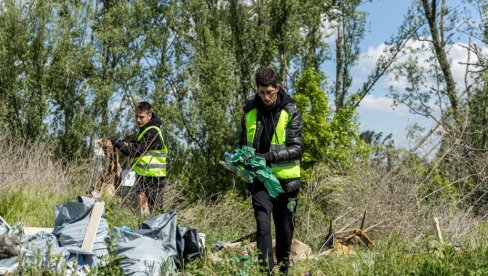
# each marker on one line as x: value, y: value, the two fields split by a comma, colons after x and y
x: 148, y: 155
x: 272, y: 125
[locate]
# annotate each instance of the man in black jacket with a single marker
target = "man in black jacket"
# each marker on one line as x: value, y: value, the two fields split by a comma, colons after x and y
x: 148, y: 154
x: 272, y: 125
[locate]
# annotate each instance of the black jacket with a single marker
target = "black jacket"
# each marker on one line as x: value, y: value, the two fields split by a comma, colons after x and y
x: 150, y: 141
x: 265, y: 127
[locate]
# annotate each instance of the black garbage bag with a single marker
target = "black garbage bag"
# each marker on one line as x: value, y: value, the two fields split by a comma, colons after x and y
x: 187, y: 244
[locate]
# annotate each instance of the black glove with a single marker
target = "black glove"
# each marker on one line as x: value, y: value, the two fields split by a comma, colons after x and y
x: 130, y: 138
x: 268, y: 156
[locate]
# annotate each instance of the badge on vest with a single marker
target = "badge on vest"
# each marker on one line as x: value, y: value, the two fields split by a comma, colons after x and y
x: 128, y: 178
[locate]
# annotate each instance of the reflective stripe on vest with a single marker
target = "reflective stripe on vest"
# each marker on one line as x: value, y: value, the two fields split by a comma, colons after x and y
x: 153, y: 162
x: 283, y: 170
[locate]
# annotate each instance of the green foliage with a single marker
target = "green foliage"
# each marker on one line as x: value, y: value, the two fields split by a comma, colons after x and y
x: 119, y: 213
x: 231, y: 217
x: 33, y: 207
x: 330, y: 138
x: 383, y: 152
x: 73, y: 76
x: 313, y: 50
x: 478, y: 119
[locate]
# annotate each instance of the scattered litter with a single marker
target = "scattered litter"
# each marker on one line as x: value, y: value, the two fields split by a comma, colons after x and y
x: 79, y: 239
x: 299, y: 251
x: 72, y: 229
x: 342, y: 242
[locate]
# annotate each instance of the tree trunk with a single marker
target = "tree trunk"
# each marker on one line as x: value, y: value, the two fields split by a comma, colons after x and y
x: 339, y: 92
x: 437, y: 41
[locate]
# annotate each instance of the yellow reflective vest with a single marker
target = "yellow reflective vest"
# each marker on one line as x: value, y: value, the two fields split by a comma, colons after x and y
x: 282, y: 170
x: 153, y: 162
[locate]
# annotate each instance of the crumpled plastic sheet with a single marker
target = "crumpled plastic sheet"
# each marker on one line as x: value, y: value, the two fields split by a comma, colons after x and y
x: 9, y: 265
x: 142, y: 255
x: 151, y: 250
x: 43, y: 248
x: 188, y: 243
x: 3, y: 228
x: 38, y: 249
x: 71, y: 222
x: 154, y: 247
x: 180, y: 242
x: 255, y: 167
x: 162, y: 227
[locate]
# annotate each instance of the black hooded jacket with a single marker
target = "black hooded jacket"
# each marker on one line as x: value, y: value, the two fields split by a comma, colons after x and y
x: 267, y: 118
x: 150, y: 141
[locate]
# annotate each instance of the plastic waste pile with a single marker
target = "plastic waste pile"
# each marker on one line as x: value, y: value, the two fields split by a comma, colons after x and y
x: 78, y: 243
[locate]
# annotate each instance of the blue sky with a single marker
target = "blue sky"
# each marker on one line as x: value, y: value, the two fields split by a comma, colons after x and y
x: 376, y: 111
x: 385, y: 17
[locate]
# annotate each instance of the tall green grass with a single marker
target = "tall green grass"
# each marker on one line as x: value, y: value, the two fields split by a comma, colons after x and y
x: 231, y: 217
x: 32, y: 207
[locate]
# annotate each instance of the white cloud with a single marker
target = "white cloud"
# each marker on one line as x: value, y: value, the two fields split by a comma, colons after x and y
x: 382, y: 104
x: 457, y: 55
x: 367, y: 61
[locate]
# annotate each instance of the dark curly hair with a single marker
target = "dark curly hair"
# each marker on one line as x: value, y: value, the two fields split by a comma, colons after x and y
x: 266, y: 77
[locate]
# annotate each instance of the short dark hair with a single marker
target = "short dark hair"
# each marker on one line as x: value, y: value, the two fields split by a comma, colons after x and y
x: 143, y: 106
x: 266, y: 77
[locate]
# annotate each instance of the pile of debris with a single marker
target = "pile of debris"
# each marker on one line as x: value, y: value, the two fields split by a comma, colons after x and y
x: 342, y: 242
x: 339, y: 243
x: 78, y: 243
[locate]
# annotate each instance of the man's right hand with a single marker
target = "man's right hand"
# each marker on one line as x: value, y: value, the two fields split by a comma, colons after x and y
x: 130, y: 138
x: 113, y: 139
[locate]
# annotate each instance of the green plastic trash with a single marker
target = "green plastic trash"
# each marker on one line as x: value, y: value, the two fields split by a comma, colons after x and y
x: 248, y: 166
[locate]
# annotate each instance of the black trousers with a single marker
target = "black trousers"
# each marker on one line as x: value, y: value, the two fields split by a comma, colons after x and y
x: 153, y: 188
x: 283, y: 208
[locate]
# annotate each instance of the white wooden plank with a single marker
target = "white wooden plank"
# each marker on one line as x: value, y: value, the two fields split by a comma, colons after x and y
x: 35, y: 230
x: 91, y: 230
x: 4, y: 222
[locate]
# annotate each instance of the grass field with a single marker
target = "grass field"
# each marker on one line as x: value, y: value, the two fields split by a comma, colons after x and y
x: 400, y: 224
x: 231, y: 217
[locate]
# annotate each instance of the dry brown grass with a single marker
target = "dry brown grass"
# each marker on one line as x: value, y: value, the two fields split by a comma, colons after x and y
x: 401, y: 201
x: 33, y: 166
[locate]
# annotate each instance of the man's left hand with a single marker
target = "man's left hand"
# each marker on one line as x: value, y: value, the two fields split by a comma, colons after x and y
x: 268, y: 156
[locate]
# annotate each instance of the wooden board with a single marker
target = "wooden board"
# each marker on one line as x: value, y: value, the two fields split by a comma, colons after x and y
x: 35, y: 230
x: 4, y: 222
x: 91, y: 230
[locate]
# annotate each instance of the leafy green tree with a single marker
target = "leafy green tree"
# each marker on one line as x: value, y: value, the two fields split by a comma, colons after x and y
x: 329, y: 138
x: 25, y: 54
x: 313, y: 50
x: 284, y: 32
x: 383, y: 152
x: 68, y: 79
